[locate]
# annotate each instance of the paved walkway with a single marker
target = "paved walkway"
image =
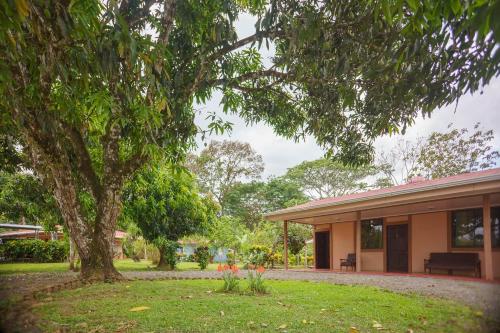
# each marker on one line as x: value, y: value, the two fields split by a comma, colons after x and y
x: 479, y: 295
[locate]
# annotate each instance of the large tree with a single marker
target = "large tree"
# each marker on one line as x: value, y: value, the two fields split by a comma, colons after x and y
x: 98, y: 88
x: 223, y: 164
x: 166, y: 206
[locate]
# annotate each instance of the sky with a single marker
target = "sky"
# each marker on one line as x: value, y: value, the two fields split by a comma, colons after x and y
x: 280, y: 154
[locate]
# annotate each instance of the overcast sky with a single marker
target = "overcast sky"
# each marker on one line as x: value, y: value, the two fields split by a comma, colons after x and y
x: 280, y: 154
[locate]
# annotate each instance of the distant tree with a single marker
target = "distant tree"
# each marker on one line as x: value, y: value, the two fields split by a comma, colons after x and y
x: 248, y: 201
x: 222, y: 165
x: 228, y: 232
x: 24, y: 199
x: 324, y: 178
x: 439, y: 155
x: 457, y: 151
x: 400, y: 164
x: 166, y: 206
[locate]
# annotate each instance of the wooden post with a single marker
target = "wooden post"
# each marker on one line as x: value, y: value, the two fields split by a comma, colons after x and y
x: 488, y: 258
x: 331, y: 246
x: 285, y: 243
x: 358, y: 241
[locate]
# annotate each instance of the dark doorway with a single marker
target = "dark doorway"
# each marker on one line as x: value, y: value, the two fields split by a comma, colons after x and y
x: 397, y: 248
x: 322, y: 245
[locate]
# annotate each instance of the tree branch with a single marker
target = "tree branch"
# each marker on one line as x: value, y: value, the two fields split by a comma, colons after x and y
x: 84, y: 160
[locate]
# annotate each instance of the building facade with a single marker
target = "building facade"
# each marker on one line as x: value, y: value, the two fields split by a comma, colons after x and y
x: 396, y: 229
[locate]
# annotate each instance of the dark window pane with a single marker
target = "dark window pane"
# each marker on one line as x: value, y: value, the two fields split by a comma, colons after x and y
x: 495, y: 227
x: 371, y: 234
x: 467, y: 228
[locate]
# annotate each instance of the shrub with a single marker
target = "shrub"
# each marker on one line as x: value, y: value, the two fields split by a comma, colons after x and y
x: 35, y: 250
x: 202, y: 256
x: 230, y: 277
x: 256, y: 281
x: 258, y: 255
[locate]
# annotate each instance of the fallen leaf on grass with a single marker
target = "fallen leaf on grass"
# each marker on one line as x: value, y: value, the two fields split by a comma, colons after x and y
x: 282, y: 327
x: 377, y: 325
x: 353, y: 329
x: 139, y: 308
x: 264, y: 325
x: 304, y: 321
x: 222, y: 313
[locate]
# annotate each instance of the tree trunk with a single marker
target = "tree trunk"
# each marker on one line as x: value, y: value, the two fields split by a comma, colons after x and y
x: 73, y: 255
x: 162, y: 264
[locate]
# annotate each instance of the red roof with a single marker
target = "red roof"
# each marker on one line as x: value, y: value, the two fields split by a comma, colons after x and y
x: 395, y: 190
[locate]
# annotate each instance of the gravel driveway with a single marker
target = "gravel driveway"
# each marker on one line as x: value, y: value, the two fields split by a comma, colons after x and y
x: 479, y: 295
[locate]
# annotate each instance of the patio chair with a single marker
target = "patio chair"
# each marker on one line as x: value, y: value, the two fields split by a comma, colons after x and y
x: 349, y: 262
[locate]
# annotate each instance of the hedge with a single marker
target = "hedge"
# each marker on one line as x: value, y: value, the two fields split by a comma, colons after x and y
x: 35, y: 250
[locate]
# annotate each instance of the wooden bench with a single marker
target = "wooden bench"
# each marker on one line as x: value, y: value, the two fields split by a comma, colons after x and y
x: 349, y: 262
x: 453, y: 262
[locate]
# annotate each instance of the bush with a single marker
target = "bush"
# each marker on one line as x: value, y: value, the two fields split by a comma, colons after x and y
x: 202, y: 256
x: 35, y: 250
x: 258, y: 255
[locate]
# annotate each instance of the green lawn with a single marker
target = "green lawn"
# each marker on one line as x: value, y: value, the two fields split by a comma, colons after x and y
x: 121, y: 265
x: 292, y: 306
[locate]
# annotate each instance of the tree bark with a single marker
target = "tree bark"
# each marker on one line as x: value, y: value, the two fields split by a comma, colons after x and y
x: 162, y: 264
x: 73, y: 255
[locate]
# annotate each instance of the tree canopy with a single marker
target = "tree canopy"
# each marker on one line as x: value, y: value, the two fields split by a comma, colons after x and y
x: 440, y: 154
x: 96, y: 89
x: 325, y: 178
x: 166, y: 206
x: 223, y: 164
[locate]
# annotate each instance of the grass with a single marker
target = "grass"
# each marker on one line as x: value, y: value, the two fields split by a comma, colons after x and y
x: 122, y: 265
x: 292, y: 306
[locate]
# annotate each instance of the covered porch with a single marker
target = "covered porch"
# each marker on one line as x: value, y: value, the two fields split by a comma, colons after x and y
x: 394, y: 230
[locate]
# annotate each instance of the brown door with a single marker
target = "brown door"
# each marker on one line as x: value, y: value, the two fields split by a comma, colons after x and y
x: 322, y: 247
x: 397, y: 248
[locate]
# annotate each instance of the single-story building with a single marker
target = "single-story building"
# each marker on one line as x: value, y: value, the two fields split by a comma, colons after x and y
x: 396, y: 229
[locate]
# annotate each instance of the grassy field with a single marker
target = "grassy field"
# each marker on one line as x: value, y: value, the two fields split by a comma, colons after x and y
x: 292, y: 306
x: 121, y: 265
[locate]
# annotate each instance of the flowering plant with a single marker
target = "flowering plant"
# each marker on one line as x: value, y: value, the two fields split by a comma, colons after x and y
x: 230, y: 277
x: 256, y: 281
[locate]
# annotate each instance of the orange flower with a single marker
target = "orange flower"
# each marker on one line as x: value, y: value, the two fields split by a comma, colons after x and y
x: 226, y: 267
x: 261, y: 269
x: 219, y: 268
x: 235, y: 269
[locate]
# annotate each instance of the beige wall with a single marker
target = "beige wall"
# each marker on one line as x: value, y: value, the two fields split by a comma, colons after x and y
x: 372, y: 261
x: 343, y: 241
x: 429, y: 234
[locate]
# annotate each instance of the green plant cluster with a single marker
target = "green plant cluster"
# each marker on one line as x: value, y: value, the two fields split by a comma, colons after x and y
x: 35, y: 250
x: 258, y: 255
x: 256, y: 282
x: 202, y: 256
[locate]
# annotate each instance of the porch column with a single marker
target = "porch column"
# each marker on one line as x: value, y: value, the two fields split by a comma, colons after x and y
x: 358, y: 242
x: 285, y: 243
x: 488, y: 258
x: 331, y: 246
